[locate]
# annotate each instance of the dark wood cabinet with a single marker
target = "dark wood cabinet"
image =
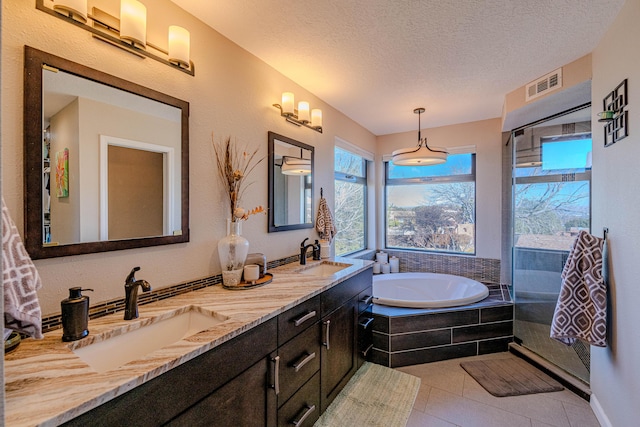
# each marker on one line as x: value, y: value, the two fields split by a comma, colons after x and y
x: 242, y: 402
x: 162, y: 399
x: 285, y: 371
x: 338, y: 357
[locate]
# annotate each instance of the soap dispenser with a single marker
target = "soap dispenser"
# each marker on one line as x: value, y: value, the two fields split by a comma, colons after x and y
x: 75, y: 315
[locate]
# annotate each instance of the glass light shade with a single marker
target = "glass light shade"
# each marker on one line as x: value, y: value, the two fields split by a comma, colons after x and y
x: 76, y: 9
x: 179, y: 45
x: 133, y: 22
x: 295, y: 166
x: 287, y: 103
x: 316, y: 118
x: 419, y: 157
x: 303, y: 112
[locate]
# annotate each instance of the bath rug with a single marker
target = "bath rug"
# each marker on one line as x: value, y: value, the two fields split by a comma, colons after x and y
x: 376, y: 396
x: 510, y: 377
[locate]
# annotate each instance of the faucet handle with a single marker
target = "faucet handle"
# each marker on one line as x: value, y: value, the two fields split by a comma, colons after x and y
x: 131, y: 277
x: 302, y: 244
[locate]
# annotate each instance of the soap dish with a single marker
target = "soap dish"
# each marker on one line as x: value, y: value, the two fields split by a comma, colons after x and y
x: 267, y: 278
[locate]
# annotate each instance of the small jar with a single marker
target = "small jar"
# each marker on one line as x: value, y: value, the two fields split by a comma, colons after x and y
x: 325, y: 249
x: 382, y: 257
x: 394, y: 264
x: 376, y: 268
x: 386, y: 269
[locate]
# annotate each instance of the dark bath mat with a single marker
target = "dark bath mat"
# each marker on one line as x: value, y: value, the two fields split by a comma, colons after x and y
x: 510, y: 377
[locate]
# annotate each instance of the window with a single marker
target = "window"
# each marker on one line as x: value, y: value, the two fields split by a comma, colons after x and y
x: 432, y: 208
x: 350, y: 202
x: 552, y: 197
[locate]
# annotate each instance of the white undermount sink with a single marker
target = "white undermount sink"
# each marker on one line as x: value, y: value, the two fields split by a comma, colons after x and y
x: 120, y: 349
x: 325, y: 268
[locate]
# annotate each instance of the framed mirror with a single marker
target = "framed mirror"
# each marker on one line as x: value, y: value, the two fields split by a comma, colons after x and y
x: 290, y: 184
x: 106, y: 161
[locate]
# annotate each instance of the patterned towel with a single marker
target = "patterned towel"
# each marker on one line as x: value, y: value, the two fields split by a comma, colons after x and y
x: 324, y: 221
x: 581, y: 311
x: 21, y: 281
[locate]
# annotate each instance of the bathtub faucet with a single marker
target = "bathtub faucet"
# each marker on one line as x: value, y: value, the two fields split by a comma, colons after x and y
x: 131, y: 294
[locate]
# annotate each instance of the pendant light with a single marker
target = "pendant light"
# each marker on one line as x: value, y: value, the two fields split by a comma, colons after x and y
x: 296, y: 166
x: 421, y: 155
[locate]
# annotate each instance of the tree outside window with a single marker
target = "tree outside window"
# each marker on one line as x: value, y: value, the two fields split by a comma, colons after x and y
x: 350, y: 202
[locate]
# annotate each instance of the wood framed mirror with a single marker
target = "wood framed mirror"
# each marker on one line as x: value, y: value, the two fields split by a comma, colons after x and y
x: 106, y: 161
x: 290, y: 184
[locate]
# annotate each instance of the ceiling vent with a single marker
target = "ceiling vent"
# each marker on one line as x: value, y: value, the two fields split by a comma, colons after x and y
x: 543, y: 85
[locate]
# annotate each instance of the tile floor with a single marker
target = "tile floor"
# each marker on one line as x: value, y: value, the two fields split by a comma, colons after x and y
x: 449, y: 397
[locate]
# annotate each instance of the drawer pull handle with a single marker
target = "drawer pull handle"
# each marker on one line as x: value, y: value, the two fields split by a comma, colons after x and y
x: 327, y: 323
x: 305, y: 359
x: 276, y: 374
x: 299, y: 321
x: 307, y: 411
x: 367, y: 300
x: 368, y: 349
x: 365, y: 323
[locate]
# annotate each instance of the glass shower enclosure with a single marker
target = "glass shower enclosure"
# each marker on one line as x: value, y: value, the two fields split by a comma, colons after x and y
x: 551, y: 203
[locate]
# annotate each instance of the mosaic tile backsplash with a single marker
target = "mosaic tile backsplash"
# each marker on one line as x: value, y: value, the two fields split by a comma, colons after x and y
x: 54, y: 321
x: 485, y: 270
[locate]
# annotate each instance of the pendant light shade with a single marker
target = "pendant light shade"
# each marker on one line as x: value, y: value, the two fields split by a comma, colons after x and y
x: 422, y: 155
x: 295, y: 166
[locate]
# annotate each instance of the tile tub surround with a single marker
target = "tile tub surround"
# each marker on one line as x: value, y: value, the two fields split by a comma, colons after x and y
x: 47, y: 384
x: 409, y: 336
x: 485, y: 270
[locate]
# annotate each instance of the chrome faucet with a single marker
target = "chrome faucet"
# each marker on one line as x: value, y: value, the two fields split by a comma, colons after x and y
x: 131, y: 294
x: 303, y: 251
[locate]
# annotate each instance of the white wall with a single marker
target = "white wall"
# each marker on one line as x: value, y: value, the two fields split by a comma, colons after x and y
x: 231, y: 95
x: 615, y: 370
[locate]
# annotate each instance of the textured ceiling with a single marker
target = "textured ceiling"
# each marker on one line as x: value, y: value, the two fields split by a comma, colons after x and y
x: 376, y: 60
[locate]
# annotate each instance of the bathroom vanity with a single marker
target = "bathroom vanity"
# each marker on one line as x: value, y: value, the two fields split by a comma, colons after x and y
x: 280, y: 356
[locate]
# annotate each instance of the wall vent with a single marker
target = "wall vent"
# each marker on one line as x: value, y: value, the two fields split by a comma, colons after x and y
x: 544, y: 84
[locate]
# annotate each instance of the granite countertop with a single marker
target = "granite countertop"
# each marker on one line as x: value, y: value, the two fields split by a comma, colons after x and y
x: 47, y: 384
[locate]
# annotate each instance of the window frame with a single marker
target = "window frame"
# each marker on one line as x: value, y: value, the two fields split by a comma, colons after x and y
x: 362, y: 180
x: 444, y: 179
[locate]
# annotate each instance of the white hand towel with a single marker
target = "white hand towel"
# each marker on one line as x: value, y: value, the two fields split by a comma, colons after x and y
x: 21, y: 281
x: 581, y: 310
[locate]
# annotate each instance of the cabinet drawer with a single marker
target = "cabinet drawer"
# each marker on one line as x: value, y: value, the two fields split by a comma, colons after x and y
x: 299, y: 360
x: 303, y: 406
x: 297, y: 319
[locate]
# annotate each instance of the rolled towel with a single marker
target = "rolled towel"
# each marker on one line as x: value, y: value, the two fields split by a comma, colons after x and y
x: 21, y: 281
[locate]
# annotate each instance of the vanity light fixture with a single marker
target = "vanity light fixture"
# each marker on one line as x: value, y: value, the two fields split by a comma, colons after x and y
x: 421, y: 155
x: 75, y: 9
x: 133, y: 23
x: 302, y: 116
x: 128, y: 32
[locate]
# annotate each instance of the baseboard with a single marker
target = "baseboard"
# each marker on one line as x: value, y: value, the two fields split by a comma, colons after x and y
x: 599, y: 412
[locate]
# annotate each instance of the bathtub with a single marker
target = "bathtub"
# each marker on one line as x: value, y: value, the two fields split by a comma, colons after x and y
x: 426, y: 290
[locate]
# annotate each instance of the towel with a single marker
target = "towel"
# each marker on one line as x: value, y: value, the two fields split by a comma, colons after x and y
x: 581, y: 310
x: 21, y: 281
x: 324, y: 221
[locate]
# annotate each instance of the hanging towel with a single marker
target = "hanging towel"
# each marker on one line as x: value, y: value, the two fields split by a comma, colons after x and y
x: 324, y: 221
x: 581, y: 310
x: 21, y: 281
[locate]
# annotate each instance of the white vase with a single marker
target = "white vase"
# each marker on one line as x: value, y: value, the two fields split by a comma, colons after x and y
x: 232, y: 251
